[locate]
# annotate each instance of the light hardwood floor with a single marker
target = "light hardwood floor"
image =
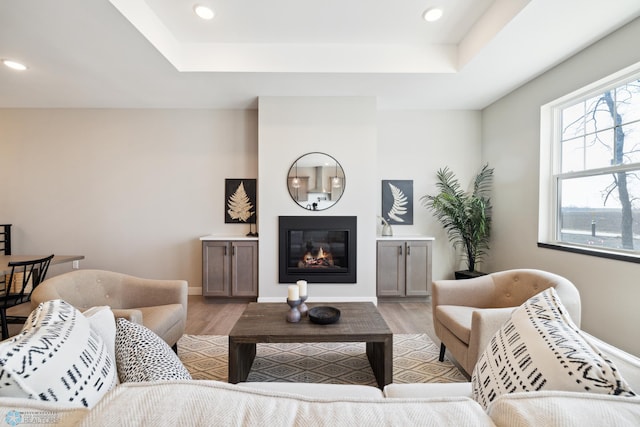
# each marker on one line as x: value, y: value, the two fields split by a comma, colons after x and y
x: 207, y: 317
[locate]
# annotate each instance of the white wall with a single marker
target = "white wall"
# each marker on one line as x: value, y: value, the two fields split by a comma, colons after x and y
x: 414, y: 145
x: 511, y: 134
x: 132, y: 190
x: 345, y: 128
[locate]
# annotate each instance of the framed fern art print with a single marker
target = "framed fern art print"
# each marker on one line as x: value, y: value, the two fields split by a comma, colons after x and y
x: 397, y: 201
x: 240, y: 201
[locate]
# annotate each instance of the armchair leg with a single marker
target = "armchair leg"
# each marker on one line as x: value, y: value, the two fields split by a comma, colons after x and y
x: 442, y: 350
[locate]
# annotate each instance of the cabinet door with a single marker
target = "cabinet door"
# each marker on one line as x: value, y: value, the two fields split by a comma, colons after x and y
x: 244, y: 267
x: 216, y: 264
x: 418, y: 265
x: 390, y: 268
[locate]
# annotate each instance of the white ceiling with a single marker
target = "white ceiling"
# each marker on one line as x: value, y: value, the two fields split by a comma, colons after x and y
x: 157, y: 54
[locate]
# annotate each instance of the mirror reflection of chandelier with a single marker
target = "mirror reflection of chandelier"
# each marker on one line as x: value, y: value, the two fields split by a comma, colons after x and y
x: 335, y: 181
x: 295, y: 182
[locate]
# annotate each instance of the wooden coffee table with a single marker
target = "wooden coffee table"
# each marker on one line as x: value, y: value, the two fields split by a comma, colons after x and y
x: 266, y: 323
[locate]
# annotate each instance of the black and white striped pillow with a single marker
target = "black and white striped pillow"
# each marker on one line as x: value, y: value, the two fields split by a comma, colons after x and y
x: 540, y: 348
x: 57, y: 357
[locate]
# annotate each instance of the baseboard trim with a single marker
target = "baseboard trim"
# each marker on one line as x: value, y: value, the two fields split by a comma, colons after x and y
x: 197, y: 290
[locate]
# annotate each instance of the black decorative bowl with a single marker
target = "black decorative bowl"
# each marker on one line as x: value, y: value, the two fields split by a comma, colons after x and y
x: 324, y: 315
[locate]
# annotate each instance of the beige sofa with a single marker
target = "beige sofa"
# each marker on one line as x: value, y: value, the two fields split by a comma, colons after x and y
x: 160, y: 305
x: 178, y: 403
x: 192, y: 402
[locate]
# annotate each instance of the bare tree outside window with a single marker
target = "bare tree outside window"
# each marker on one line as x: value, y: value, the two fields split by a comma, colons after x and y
x: 599, y: 181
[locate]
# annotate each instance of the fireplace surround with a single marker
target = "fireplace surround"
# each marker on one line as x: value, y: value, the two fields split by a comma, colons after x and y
x: 318, y: 249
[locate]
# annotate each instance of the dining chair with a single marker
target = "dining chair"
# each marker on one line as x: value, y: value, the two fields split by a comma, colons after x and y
x: 20, y: 283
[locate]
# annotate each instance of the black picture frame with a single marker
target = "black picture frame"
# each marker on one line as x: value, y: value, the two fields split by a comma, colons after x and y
x: 397, y: 201
x: 240, y: 202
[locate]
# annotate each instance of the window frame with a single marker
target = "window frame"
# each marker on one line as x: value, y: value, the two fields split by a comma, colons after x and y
x: 551, y: 174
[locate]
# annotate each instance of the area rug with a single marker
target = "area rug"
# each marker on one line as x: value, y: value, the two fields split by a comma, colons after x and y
x: 415, y: 360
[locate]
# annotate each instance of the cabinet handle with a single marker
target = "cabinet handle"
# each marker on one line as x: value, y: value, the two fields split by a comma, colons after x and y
x: 408, y: 250
x: 400, y: 250
x: 225, y: 251
x: 233, y: 251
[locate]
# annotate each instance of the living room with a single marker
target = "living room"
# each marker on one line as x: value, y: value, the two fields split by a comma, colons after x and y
x: 132, y: 188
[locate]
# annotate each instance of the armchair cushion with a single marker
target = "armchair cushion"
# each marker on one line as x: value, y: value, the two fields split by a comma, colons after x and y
x: 131, y: 314
x: 458, y: 320
x: 165, y: 320
x: 540, y: 348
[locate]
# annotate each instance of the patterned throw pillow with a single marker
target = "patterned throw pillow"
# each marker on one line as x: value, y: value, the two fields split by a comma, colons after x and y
x: 56, y: 357
x: 540, y: 348
x: 141, y: 355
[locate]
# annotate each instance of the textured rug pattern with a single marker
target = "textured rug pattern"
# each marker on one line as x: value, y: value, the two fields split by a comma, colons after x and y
x: 415, y: 360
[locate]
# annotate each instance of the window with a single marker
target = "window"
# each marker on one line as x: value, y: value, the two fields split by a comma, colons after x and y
x: 590, y: 169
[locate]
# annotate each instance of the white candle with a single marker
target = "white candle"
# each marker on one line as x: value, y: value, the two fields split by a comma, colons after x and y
x: 302, y: 286
x: 294, y: 293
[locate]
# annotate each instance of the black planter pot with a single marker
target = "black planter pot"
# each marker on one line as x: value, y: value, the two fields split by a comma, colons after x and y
x: 466, y: 274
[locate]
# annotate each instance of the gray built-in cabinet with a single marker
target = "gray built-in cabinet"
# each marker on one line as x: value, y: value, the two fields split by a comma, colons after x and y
x: 229, y: 268
x: 404, y: 267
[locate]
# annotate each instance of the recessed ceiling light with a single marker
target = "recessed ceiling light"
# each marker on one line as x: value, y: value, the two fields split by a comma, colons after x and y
x: 14, y: 65
x: 432, y: 15
x: 203, y: 12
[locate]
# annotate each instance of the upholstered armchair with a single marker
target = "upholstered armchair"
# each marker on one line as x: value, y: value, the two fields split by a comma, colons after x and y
x: 160, y: 305
x: 467, y: 313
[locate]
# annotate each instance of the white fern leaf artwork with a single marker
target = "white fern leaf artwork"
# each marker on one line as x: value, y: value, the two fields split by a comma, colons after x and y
x: 240, y: 205
x: 399, y: 201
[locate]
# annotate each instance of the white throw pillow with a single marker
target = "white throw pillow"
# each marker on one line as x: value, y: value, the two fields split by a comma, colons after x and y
x: 540, y: 348
x: 56, y: 357
x: 141, y: 355
x: 103, y: 322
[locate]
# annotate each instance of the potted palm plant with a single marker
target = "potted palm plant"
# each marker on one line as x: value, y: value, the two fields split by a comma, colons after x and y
x: 465, y: 216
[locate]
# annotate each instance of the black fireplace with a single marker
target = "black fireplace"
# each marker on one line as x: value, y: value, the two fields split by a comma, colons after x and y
x: 318, y: 249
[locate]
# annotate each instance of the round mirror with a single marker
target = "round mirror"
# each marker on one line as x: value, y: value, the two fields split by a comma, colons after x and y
x: 316, y: 181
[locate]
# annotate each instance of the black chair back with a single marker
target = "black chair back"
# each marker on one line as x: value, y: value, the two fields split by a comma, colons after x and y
x: 20, y: 283
x: 24, y: 277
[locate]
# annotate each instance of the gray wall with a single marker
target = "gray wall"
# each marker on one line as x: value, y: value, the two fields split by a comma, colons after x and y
x: 132, y: 190
x: 511, y: 136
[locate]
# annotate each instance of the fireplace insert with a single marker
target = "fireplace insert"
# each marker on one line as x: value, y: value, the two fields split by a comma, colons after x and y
x: 318, y: 249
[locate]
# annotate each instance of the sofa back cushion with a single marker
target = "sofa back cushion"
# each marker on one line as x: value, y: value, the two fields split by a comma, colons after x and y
x: 566, y: 409
x: 212, y: 403
x: 540, y: 348
x: 627, y: 364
